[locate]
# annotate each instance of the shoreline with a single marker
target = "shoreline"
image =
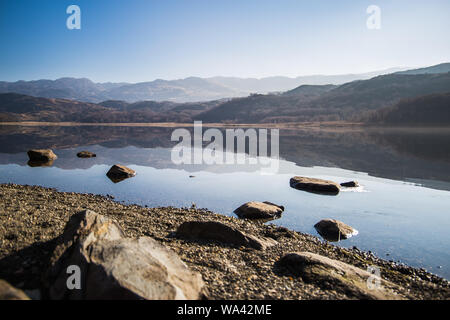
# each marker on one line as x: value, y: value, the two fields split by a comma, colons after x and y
x: 32, y: 217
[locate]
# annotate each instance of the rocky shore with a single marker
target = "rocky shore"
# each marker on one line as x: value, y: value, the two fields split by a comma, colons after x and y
x: 260, y: 264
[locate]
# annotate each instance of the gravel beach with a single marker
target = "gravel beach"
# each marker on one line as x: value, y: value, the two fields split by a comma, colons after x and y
x: 32, y: 218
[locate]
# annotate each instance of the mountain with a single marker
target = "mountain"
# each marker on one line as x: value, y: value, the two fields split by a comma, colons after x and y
x: 349, y: 101
x: 17, y: 107
x: 190, y: 89
x: 439, y: 68
x: 279, y: 84
x: 344, y: 102
x: 309, y: 90
x: 429, y: 110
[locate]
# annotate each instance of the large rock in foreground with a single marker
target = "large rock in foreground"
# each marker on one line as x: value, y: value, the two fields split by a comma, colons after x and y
x: 216, y: 231
x: 8, y: 292
x: 41, y: 155
x: 338, y: 276
x: 315, y: 185
x: 119, y: 172
x: 334, y: 230
x: 114, y: 267
x: 259, y: 210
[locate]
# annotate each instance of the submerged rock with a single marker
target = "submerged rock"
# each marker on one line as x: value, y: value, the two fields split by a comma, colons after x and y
x: 350, y: 184
x: 334, y: 230
x: 86, y: 154
x: 259, y: 210
x: 340, y: 276
x: 216, y: 231
x: 315, y: 185
x: 119, y: 172
x: 41, y: 155
x: 114, y: 267
x: 8, y: 292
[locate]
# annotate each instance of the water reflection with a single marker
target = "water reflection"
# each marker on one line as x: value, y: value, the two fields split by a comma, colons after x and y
x: 421, y: 155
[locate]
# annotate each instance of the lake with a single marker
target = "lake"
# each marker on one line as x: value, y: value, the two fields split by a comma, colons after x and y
x: 401, y: 211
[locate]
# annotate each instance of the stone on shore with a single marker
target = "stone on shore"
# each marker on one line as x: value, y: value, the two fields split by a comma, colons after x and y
x: 259, y: 210
x: 315, y: 185
x: 86, y: 154
x: 334, y: 230
x: 119, y: 172
x: 41, y: 155
x: 114, y: 267
x: 217, y: 231
x: 8, y: 292
x: 338, y: 276
x: 350, y: 184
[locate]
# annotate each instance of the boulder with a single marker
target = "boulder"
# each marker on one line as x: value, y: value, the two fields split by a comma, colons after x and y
x: 217, y: 231
x: 114, y: 267
x: 86, y: 154
x: 315, y: 185
x: 119, y: 172
x: 339, y: 276
x: 8, y: 292
x: 41, y: 155
x: 350, y: 184
x: 334, y: 230
x: 259, y: 210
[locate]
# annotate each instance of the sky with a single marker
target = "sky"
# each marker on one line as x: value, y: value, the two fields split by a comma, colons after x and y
x: 144, y: 40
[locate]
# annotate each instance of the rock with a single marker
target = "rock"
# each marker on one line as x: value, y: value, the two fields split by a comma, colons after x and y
x: 41, y: 155
x: 115, y: 267
x: 334, y: 230
x: 8, y: 292
x: 216, y: 231
x: 40, y: 163
x: 259, y: 210
x: 118, y: 173
x: 339, y: 276
x: 315, y: 185
x: 86, y: 154
x: 350, y: 184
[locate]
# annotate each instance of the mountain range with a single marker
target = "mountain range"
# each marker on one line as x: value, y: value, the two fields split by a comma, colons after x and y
x: 353, y: 101
x: 190, y: 89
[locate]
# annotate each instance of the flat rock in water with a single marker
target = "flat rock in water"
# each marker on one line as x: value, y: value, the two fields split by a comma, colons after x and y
x: 8, y: 292
x: 119, y: 172
x: 315, y: 185
x: 86, y: 154
x: 114, y: 267
x: 341, y: 277
x: 334, y: 230
x: 217, y: 231
x: 41, y: 155
x: 259, y: 210
x: 350, y: 184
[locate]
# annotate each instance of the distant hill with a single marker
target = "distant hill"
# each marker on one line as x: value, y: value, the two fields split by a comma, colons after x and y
x: 190, y: 89
x: 429, y: 110
x: 18, y: 107
x: 309, y: 90
x: 439, y: 68
x: 341, y: 103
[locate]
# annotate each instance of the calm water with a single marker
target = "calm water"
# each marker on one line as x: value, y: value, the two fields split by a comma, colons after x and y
x: 401, y: 212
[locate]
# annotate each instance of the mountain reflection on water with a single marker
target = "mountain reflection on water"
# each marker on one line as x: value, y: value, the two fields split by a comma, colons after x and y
x: 414, y: 155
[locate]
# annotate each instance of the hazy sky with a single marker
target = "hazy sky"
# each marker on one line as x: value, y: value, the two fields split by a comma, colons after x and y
x: 141, y: 40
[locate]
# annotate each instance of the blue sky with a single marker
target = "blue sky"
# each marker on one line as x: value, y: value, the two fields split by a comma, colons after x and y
x: 143, y: 40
